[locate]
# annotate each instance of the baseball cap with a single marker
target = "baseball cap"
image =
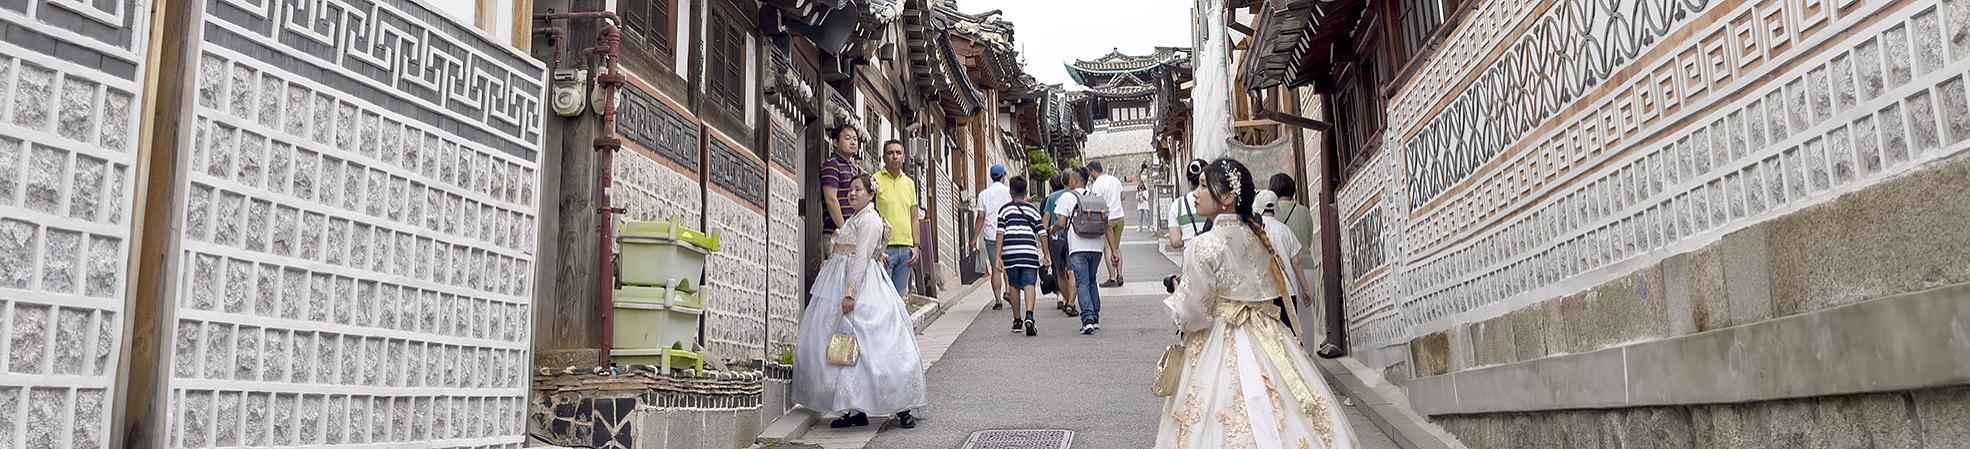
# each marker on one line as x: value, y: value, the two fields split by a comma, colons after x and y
x: 998, y: 170
x: 1265, y: 201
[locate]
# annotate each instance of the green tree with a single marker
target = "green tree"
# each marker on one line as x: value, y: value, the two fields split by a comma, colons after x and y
x: 1039, y: 164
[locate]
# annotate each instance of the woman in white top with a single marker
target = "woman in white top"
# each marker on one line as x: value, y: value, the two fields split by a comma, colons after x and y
x: 852, y: 294
x: 1244, y: 381
x: 1143, y: 223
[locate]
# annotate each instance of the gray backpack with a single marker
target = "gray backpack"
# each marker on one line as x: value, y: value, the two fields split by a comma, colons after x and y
x: 1090, y: 218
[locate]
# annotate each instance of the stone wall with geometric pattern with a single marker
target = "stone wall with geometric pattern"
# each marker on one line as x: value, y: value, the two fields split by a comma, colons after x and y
x: 735, y: 276
x: 360, y: 230
x: 786, y: 293
x: 1683, y: 122
x: 70, y: 90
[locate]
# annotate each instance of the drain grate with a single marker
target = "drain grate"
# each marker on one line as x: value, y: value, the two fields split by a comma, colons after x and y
x: 1021, y: 439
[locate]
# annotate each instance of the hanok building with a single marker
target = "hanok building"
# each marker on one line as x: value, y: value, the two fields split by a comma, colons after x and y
x: 1120, y: 97
x: 1689, y: 217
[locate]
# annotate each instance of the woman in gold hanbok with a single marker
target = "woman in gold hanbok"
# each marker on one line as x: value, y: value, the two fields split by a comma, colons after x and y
x: 1245, y: 382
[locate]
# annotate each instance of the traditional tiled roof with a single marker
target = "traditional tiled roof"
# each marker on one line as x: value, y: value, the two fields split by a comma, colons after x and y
x: 1115, y: 61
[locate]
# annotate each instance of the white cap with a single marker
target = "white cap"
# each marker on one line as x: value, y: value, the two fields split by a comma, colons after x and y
x: 1265, y: 201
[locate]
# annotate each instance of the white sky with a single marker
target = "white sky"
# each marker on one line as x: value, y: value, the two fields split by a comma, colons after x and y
x: 1050, y: 33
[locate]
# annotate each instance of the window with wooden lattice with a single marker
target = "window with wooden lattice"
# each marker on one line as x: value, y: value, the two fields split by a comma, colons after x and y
x: 654, y: 24
x: 725, y: 75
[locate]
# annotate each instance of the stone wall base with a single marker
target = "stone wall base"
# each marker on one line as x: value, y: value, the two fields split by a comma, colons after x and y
x: 1916, y: 419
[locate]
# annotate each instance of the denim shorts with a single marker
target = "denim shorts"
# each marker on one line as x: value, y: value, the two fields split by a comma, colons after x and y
x: 1022, y: 277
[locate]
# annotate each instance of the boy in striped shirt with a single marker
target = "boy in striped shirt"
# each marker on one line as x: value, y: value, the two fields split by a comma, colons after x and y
x: 1021, y: 253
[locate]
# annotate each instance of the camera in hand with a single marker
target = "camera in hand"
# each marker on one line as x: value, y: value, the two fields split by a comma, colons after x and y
x: 1170, y: 283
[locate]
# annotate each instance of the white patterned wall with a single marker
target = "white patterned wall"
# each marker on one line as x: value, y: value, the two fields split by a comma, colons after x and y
x: 68, y: 113
x: 735, y: 280
x: 647, y: 190
x: 359, y: 235
x: 785, y: 290
x: 1764, y: 111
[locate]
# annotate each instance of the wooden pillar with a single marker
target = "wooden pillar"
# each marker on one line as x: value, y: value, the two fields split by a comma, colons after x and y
x: 566, y: 305
x: 142, y: 401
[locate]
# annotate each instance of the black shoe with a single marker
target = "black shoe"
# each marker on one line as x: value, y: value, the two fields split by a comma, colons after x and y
x: 1017, y: 325
x: 904, y: 420
x: 1031, y: 329
x: 998, y: 305
x: 858, y: 419
x: 1072, y: 311
x: 1061, y: 305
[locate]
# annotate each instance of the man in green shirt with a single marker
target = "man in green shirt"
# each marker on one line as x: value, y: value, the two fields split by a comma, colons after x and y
x: 1297, y: 217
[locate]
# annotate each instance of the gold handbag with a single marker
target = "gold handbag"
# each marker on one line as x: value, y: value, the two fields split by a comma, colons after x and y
x: 842, y: 349
x: 1169, y: 372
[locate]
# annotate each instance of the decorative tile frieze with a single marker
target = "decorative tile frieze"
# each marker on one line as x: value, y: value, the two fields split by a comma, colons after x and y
x: 734, y: 171
x: 643, y: 119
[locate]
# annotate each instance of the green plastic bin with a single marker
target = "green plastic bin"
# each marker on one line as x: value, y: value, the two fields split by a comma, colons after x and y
x: 666, y: 359
x: 656, y: 252
x: 643, y: 325
x: 678, y: 293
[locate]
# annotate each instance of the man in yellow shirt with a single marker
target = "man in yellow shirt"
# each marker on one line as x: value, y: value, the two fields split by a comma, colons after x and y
x: 896, y: 201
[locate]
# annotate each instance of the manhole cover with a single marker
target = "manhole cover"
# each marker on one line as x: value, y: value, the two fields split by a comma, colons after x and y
x: 1020, y: 439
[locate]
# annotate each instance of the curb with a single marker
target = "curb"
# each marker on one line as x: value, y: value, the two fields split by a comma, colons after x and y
x: 1391, y: 415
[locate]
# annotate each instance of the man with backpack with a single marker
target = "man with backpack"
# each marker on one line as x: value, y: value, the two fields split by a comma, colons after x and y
x: 1086, y: 227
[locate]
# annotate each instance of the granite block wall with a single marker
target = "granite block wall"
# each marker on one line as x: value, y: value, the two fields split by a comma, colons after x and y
x: 785, y: 291
x: 359, y: 231
x: 67, y: 145
x: 735, y: 276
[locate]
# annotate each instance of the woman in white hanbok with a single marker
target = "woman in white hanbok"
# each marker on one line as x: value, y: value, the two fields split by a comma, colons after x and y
x: 1245, y: 381
x: 853, y: 294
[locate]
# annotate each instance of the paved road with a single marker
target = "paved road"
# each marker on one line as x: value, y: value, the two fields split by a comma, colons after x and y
x: 983, y: 377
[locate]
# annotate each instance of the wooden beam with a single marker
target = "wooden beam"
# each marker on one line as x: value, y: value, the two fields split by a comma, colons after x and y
x: 1241, y: 27
x: 140, y: 411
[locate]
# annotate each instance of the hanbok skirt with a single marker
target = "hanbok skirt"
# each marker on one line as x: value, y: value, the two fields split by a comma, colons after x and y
x: 888, y: 378
x: 1237, y: 391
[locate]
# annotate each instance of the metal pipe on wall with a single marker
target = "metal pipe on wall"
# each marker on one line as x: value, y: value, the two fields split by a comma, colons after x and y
x: 608, y: 45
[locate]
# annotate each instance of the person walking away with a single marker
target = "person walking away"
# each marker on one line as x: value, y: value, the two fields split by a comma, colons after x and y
x: 1184, y: 221
x: 1085, y: 226
x: 1143, y: 223
x: 836, y: 171
x: 896, y: 201
x: 1286, y: 245
x: 1110, y: 189
x: 1021, y: 254
x: 1240, y: 371
x: 990, y: 200
x: 1063, y: 274
x: 1299, y: 219
x: 852, y: 295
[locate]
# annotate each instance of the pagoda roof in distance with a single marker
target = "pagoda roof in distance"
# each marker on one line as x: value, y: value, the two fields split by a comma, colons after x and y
x: 1115, y: 61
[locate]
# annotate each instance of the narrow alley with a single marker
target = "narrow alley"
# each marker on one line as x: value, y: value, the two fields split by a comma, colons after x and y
x: 983, y: 377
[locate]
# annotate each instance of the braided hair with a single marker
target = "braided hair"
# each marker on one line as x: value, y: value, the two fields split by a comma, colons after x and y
x: 1227, y: 175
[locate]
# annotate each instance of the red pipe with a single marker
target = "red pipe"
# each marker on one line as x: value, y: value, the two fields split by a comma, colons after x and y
x: 608, y: 44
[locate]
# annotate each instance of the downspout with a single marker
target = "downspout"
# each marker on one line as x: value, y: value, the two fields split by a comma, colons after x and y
x: 608, y: 45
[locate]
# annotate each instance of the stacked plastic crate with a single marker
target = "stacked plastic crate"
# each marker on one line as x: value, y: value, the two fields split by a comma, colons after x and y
x: 657, y: 307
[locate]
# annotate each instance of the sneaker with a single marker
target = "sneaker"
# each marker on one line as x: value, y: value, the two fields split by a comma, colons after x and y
x: 1031, y: 329
x: 1017, y: 325
x: 1087, y: 329
x: 1096, y: 325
